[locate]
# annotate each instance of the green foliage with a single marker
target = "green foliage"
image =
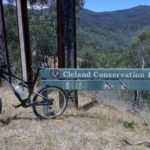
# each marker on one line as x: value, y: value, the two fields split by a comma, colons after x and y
x: 114, y: 59
x: 12, y: 36
x: 129, y: 125
x: 42, y: 25
x: 140, y: 50
x: 108, y: 33
x: 112, y: 39
x: 88, y: 60
x: 43, y: 35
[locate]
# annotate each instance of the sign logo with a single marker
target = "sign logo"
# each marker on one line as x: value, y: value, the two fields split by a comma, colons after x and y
x: 55, y: 73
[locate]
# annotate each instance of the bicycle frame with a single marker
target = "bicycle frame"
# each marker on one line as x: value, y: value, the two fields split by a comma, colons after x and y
x: 29, y: 85
x: 42, y: 101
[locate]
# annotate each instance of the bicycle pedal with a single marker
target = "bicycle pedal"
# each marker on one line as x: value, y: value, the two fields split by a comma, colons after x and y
x: 16, y: 106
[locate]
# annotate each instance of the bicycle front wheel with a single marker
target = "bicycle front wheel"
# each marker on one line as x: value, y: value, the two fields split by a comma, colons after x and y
x: 50, y: 102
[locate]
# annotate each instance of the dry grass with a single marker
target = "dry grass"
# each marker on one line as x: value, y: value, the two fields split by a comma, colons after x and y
x: 98, y: 128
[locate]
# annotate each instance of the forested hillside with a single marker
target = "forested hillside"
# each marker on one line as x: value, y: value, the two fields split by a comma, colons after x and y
x: 100, y: 34
x: 106, y: 39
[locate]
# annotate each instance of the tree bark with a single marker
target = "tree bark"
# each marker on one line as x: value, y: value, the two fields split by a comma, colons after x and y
x: 3, y: 45
x: 4, y: 56
x: 66, y: 25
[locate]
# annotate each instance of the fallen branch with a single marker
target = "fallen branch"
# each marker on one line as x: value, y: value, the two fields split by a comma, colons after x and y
x: 145, y: 143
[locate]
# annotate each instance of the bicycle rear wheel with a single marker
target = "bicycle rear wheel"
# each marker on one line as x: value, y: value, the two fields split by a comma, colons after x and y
x: 50, y: 102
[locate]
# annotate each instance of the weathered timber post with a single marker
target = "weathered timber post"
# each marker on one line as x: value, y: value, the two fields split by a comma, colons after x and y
x: 26, y: 54
x: 60, y: 33
x: 4, y: 57
x: 66, y: 34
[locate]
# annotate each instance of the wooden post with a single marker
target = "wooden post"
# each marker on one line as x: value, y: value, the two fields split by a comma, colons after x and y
x: 2, y: 44
x: 66, y: 35
x: 26, y: 54
x: 69, y: 37
x: 4, y: 57
x: 60, y: 33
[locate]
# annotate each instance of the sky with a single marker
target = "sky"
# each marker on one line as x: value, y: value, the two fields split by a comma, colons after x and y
x: 111, y: 5
x: 4, y: 1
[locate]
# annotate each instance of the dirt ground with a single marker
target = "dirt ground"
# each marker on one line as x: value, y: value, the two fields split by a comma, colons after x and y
x: 100, y: 127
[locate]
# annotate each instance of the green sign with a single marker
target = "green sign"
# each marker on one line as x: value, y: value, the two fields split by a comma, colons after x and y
x: 99, y: 84
x: 97, y: 79
x: 75, y: 84
x: 118, y: 73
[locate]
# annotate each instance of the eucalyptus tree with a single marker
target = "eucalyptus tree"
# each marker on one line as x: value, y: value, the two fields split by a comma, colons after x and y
x: 139, y: 51
x: 138, y: 56
x: 43, y: 30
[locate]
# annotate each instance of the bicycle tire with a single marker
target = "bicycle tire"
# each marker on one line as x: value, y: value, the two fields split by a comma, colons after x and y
x: 52, y: 94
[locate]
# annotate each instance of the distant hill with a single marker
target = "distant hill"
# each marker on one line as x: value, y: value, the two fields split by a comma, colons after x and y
x: 125, y: 20
x: 113, y: 30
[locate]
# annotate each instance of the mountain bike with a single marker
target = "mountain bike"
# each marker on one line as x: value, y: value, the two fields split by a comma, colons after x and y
x: 48, y: 102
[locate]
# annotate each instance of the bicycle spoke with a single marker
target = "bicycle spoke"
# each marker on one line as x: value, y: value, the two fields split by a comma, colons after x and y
x: 47, y: 102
